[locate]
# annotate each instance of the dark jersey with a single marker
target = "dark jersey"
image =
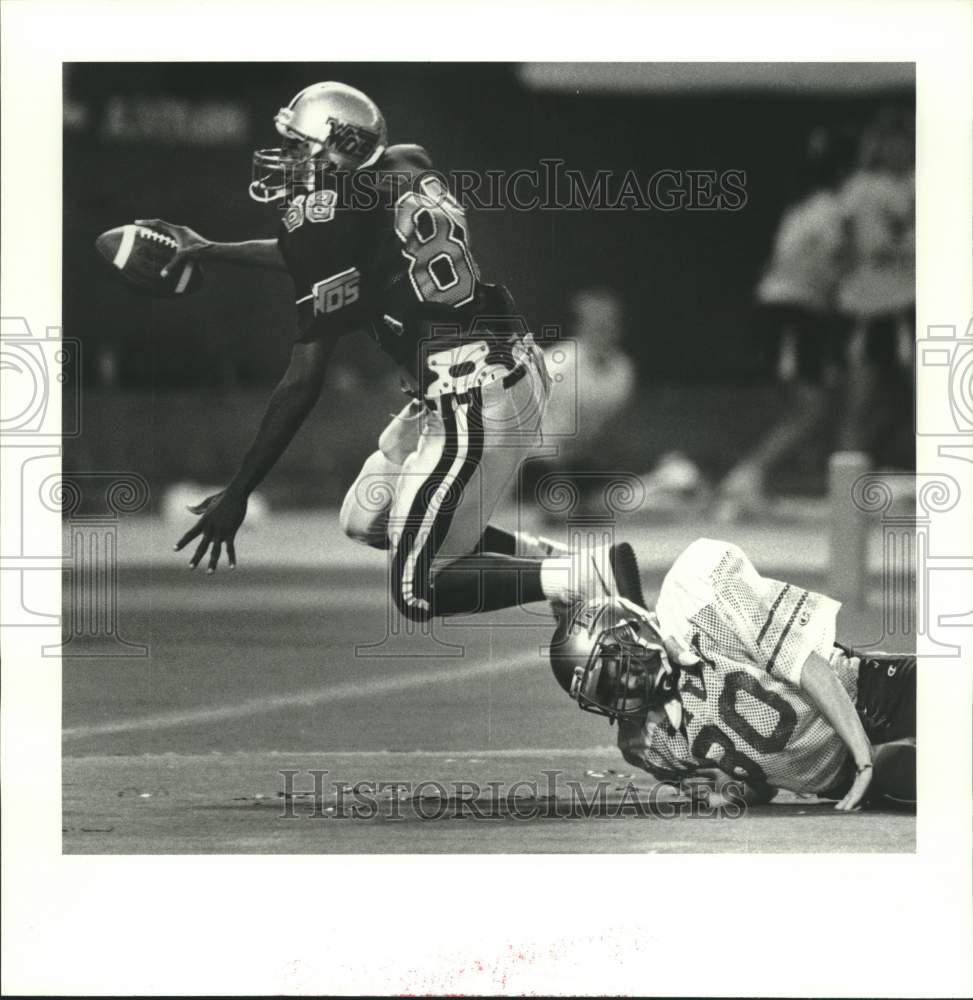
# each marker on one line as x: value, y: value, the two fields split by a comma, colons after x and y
x: 387, y: 250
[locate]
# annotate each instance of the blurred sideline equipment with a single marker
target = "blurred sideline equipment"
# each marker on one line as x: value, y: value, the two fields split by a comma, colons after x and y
x: 139, y: 253
x: 849, y: 524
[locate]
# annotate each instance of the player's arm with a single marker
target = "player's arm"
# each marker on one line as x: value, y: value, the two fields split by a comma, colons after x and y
x: 728, y: 791
x: 291, y: 401
x: 222, y: 514
x: 253, y: 253
x: 721, y: 789
x: 786, y: 631
x: 250, y: 253
x: 821, y: 685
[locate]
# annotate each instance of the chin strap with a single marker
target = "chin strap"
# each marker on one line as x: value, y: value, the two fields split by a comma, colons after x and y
x: 266, y: 195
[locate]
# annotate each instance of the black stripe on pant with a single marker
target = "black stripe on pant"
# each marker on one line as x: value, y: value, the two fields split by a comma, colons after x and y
x: 418, y: 603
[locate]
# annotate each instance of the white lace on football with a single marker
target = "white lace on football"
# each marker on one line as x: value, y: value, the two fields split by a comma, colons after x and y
x: 151, y: 234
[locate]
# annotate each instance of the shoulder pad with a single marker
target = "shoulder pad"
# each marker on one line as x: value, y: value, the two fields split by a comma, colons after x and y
x: 405, y: 156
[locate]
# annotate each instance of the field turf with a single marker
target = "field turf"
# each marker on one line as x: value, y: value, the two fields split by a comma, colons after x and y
x: 288, y: 665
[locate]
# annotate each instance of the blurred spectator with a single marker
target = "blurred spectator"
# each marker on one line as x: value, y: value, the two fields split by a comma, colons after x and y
x: 878, y: 291
x: 594, y: 379
x: 801, y: 331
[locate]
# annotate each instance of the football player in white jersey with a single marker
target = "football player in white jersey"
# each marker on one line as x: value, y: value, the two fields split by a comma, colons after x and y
x: 740, y: 675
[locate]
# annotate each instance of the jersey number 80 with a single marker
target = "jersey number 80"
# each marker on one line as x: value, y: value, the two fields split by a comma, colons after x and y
x: 432, y: 228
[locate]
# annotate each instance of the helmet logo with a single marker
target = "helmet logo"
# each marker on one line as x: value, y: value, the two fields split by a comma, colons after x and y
x: 351, y: 139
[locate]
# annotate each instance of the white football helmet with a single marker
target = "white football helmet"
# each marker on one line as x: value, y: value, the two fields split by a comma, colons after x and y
x: 327, y: 126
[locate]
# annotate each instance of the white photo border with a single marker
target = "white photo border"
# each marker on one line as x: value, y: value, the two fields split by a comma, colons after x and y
x: 674, y: 924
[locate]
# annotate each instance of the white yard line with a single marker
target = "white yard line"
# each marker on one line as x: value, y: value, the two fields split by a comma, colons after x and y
x: 345, y: 691
x: 206, y: 595
x: 463, y: 756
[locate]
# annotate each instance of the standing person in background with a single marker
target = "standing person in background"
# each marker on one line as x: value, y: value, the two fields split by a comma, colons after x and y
x: 796, y: 297
x: 598, y: 380
x: 878, y: 293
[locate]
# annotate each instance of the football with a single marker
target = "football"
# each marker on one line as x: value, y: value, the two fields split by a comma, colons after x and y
x: 139, y: 253
x: 894, y: 775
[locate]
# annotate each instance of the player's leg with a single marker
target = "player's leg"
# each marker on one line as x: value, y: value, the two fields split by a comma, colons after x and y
x: 872, y: 355
x: 465, y: 581
x: 449, y: 488
x: 886, y: 703
x: 440, y: 499
x: 803, y: 359
x: 365, y: 510
x: 807, y: 407
x: 520, y: 543
x: 808, y: 383
x: 886, y: 695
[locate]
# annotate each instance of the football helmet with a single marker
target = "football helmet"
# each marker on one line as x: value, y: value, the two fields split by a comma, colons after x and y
x: 609, y: 657
x: 327, y: 126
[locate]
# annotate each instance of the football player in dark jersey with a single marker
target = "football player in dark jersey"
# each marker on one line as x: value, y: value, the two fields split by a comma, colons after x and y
x: 375, y: 242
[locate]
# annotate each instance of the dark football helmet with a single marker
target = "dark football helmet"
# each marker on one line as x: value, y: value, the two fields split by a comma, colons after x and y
x: 609, y: 657
x: 327, y: 126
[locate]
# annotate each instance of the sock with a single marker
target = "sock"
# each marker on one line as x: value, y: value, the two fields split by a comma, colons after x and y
x: 555, y: 577
x: 487, y: 582
x: 499, y: 541
x: 513, y: 543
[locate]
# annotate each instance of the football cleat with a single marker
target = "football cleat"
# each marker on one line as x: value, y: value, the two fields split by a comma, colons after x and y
x: 597, y: 572
x: 326, y: 127
x: 625, y: 570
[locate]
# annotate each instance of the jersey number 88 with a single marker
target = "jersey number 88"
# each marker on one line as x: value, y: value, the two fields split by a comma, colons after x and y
x: 432, y: 227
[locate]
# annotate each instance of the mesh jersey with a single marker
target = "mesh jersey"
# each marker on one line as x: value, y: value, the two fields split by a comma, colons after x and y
x: 387, y: 250
x: 806, y: 263
x: 743, y: 711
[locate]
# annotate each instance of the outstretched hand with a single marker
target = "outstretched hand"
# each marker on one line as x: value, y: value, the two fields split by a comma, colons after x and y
x: 191, y: 244
x: 856, y: 794
x: 220, y: 516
